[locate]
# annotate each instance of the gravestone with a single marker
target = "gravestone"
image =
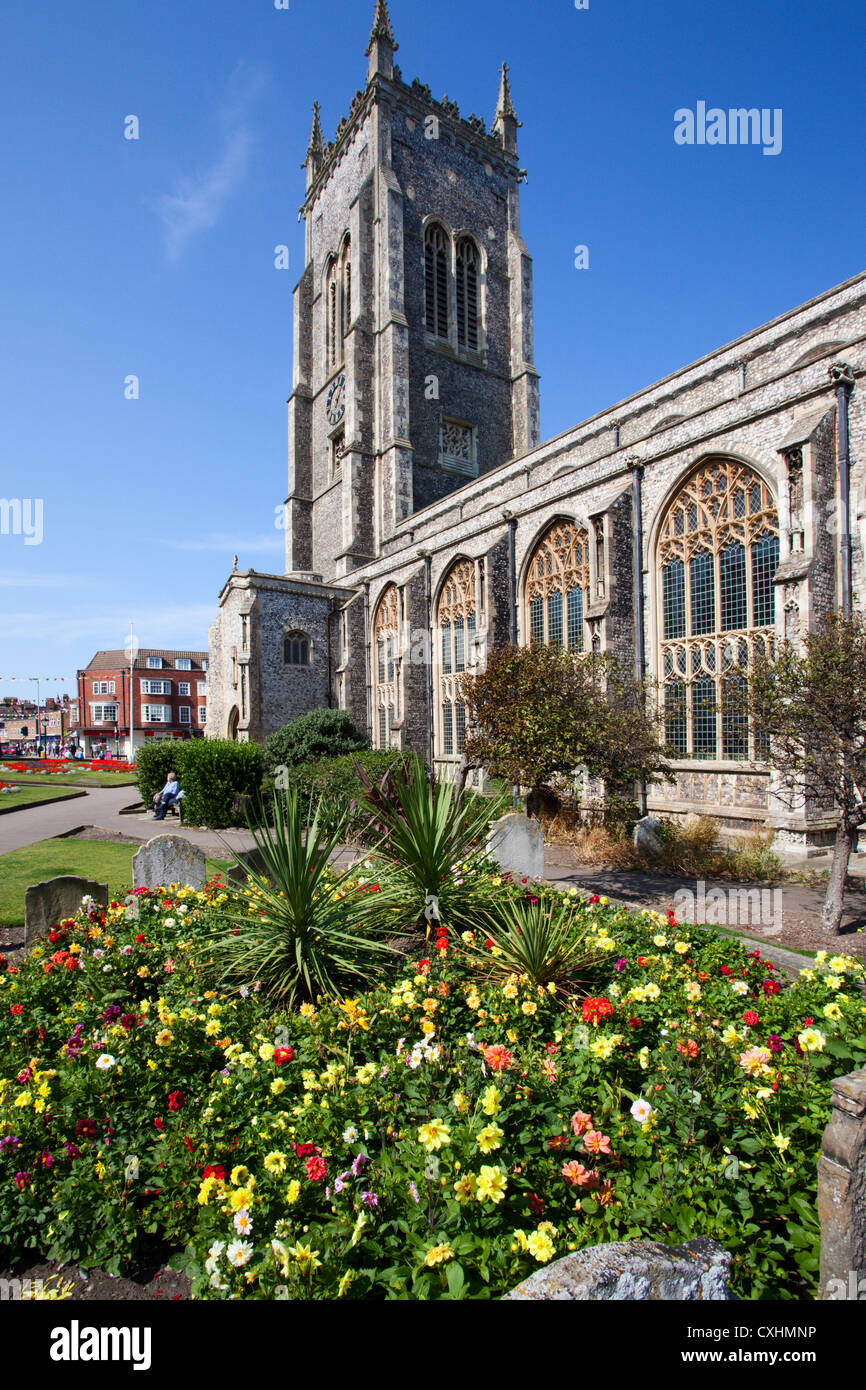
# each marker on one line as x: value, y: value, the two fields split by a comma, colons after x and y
x: 46, y: 904
x: 648, y: 837
x: 634, y: 1270
x: 842, y: 1192
x: 517, y: 844
x: 168, y: 859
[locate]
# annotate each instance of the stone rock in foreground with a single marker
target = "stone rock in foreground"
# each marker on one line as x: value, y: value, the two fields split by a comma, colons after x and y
x: 46, y: 904
x: 647, y: 837
x: 168, y: 859
x: 634, y: 1270
x: 517, y: 845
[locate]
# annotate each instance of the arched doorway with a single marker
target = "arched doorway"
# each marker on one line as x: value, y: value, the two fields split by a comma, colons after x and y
x: 234, y: 720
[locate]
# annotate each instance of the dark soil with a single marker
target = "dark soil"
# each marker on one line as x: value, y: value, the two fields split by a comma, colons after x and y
x: 95, y: 1286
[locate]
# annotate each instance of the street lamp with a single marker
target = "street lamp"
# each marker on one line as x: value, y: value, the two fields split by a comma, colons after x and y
x: 131, y: 649
x: 36, y: 680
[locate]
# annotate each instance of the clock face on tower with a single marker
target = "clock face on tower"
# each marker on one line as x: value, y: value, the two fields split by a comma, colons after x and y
x: 336, y: 402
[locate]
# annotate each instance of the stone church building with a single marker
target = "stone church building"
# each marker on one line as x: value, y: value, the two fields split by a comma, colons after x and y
x: 684, y: 529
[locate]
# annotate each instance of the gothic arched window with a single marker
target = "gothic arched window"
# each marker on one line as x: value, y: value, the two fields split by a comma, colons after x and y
x: 557, y: 588
x: 345, y: 291
x: 385, y: 631
x: 436, y: 274
x: 718, y: 552
x: 467, y: 294
x: 456, y: 624
x: 296, y: 649
x: 332, y: 321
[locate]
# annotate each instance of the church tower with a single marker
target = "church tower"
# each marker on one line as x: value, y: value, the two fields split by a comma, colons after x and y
x: 413, y: 352
x: 412, y: 373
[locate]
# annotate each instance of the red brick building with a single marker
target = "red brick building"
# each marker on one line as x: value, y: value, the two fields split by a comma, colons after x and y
x: 168, y: 699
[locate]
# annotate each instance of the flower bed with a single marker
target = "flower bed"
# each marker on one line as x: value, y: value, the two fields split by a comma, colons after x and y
x: 439, y: 1136
x: 55, y: 766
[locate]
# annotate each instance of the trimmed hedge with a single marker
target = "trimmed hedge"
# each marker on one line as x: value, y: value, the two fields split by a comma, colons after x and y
x: 324, y: 733
x: 155, y: 760
x: 211, y: 771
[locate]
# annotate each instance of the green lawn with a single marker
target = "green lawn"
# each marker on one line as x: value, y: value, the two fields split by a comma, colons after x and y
x: 71, y: 779
x: 30, y: 796
x: 93, y: 859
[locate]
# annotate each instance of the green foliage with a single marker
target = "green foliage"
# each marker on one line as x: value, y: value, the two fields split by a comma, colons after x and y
x: 324, y: 733
x: 810, y: 704
x: 334, y: 788
x: 544, y: 939
x: 211, y: 772
x: 155, y: 760
x: 416, y: 1141
x: 537, y: 712
x: 426, y: 1139
x: 290, y: 929
x: 429, y: 830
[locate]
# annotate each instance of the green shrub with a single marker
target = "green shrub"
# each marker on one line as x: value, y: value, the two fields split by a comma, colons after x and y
x: 211, y: 772
x: 155, y: 760
x: 324, y: 733
x: 333, y: 787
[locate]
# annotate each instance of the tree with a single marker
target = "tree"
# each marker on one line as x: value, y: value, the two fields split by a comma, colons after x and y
x: 537, y: 712
x: 811, y: 704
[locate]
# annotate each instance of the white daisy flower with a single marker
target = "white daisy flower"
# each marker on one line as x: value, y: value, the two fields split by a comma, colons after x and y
x: 239, y: 1253
x: 243, y: 1222
x: 641, y: 1110
x: 105, y: 1061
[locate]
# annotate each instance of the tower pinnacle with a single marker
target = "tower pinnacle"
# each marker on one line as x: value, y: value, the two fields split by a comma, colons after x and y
x: 315, y: 149
x: 506, y: 123
x: 382, y: 47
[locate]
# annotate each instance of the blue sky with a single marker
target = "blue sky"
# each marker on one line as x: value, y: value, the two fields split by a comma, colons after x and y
x: 155, y: 257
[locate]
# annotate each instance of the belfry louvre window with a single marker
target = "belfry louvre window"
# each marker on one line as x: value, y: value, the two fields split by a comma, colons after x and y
x: 718, y: 552
x: 386, y: 625
x: 436, y: 274
x: 345, y: 291
x: 332, y: 322
x: 457, y: 621
x: 457, y: 447
x: 557, y: 588
x: 467, y: 294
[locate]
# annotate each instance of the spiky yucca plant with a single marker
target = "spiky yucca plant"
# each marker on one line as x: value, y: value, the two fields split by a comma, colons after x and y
x: 302, y: 934
x: 544, y: 939
x: 428, y: 831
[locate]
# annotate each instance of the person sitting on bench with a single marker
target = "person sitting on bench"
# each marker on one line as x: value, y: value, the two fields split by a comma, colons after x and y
x: 165, y: 799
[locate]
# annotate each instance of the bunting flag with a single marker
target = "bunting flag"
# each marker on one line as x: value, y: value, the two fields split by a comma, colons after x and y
x: 62, y: 679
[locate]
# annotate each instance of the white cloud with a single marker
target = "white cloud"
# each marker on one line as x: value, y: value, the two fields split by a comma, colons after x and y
x: 198, y: 200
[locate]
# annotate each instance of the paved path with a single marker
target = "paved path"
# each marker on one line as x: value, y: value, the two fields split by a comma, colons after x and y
x: 744, y: 905
x: 101, y: 808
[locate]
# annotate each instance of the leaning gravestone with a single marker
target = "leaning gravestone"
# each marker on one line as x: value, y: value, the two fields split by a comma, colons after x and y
x: 647, y: 837
x: 46, y: 904
x: 634, y: 1270
x: 168, y: 859
x: 517, y: 845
